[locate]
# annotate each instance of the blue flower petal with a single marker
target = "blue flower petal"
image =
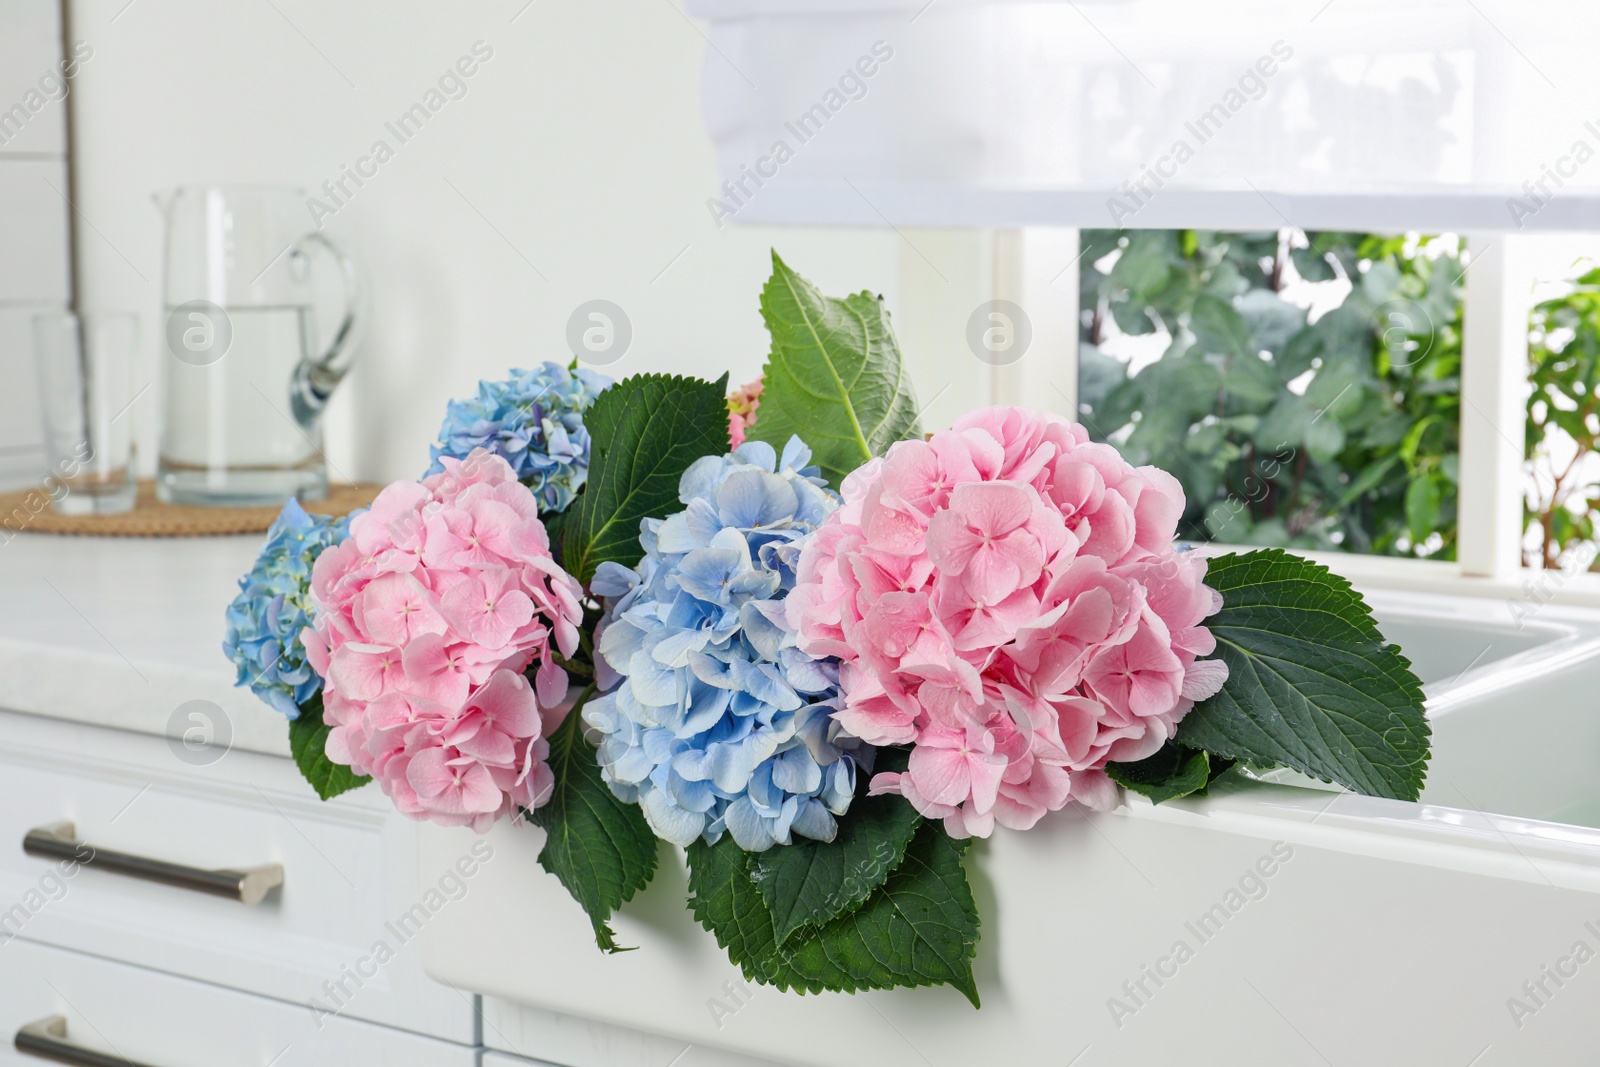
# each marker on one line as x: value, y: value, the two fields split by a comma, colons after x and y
x: 757, y: 454
x: 668, y: 820
x: 534, y: 421
x: 796, y: 454
x: 752, y: 832
x: 723, y: 723
x: 794, y: 771
x: 706, y: 573
x: 613, y: 579
x: 264, y: 621
x: 813, y: 820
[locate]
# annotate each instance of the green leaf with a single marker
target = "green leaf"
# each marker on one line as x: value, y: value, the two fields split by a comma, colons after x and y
x: 1312, y: 684
x: 600, y: 847
x: 1422, y: 507
x: 1312, y: 264
x: 1218, y: 327
x: 1143, y: 266
x: 1270, y: 319
x: 834, y: 376
x: 1367, y: 480
x: 1298, y: 353
x: 1251, y: 379
x: 1379, y: 283
x: 555, y: 525
x: 308, y: 741
x: 1324, y: 438
x: 919, y: 928
x: 1175, y: 771
x: 724, y: 899
x: 1135, y: 320
x: 646, y: 430
x: 809, y: 882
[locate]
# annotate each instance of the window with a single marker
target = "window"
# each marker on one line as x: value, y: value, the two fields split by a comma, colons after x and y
x: 1304, y: 387
x: 1562, y: 484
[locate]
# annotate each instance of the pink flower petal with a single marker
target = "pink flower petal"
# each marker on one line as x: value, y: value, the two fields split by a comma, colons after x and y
x: 1043, y: 626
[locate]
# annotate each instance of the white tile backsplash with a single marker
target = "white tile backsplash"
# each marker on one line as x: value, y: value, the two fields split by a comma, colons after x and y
x: 32, y: 90
x: 33, y: 231
x: 19, y: 402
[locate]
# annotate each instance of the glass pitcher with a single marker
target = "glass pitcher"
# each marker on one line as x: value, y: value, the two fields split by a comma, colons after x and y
x: 245, y: 375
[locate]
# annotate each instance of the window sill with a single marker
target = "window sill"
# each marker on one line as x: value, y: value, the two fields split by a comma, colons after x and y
x: 1535, y: 587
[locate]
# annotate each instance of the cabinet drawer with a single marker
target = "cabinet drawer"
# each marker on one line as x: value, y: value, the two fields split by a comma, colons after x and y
x: 501, y: 1059
x: 341, y: 931
x: 532, y: 1037
x: 165, y: 1021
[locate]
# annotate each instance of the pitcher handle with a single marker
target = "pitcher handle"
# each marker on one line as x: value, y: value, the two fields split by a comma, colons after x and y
x: 317, y: 376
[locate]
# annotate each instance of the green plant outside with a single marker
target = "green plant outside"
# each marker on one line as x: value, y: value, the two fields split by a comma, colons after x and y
x: 1340, y: 433
x: 1563, y: 501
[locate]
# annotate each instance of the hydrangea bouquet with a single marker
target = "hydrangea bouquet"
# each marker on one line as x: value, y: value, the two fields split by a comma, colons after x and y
x: 790, y: 632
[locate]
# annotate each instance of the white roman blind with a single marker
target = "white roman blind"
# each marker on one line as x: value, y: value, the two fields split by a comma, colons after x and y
x: 1463, y: 115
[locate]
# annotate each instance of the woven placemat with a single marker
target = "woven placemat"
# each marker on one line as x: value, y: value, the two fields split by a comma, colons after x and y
x: 29, y: 511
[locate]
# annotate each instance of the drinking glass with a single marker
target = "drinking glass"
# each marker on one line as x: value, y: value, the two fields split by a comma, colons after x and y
x: 86, y: 389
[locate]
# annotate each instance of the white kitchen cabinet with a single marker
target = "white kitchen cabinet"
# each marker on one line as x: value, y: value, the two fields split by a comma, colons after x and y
x: 341, y: 931
x: 1317, y: 927
x: 522, y: 1034
x: 501, y: 1059
x: 161, y: 1020
x: 121, y: 633
x: 108, y: 658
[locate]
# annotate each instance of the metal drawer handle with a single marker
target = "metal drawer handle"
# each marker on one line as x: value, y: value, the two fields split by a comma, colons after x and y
x: 47, y: 1039
x: 57, y: 842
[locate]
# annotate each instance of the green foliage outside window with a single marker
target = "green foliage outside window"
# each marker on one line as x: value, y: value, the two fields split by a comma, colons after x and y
x: 1563, y: 418
x: 1338, y: 433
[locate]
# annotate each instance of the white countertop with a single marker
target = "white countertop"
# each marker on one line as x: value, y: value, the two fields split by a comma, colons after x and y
x: 121, y: 631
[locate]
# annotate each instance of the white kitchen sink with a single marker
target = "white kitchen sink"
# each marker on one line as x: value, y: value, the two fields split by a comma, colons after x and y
x: 1385, y: 933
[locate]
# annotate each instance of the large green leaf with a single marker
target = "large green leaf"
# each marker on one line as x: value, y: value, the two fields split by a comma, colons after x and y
x: 724, y: 899
x: 834, y: 375
x: 1312, y: 684
x: 600, y: 848
x: 308, y: 741
x: 919, y: 928
x: 646, y: 430
x: 809, y: 882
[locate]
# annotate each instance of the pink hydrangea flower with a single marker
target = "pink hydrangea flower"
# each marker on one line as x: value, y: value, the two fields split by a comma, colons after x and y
x: 1005, y: 597
x: 428, y: 614
x: 743, y: 403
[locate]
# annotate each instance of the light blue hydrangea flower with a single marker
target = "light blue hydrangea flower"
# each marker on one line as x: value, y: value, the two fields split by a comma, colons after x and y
x: 534, y: 421
x: 720, y: 722
x: 274, y: 605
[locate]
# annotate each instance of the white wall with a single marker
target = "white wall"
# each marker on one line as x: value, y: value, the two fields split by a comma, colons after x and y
x: 581, y: 139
